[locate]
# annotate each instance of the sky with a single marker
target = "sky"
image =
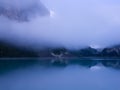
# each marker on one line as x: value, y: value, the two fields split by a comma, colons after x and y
x: 72, y: 24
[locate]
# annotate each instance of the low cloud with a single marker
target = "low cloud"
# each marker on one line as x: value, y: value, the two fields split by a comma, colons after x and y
x: 71, y: 24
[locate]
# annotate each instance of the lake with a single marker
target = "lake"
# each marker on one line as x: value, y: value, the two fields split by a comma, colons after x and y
x: 67, y: 74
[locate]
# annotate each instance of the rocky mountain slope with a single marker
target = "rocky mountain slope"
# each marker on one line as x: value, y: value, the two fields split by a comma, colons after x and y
x: 9, y: 50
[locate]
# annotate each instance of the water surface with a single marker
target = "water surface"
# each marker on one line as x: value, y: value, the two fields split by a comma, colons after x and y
x: 71, y: 74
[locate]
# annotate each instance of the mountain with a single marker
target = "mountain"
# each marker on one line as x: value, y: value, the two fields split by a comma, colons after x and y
x: 85, y: 52
x: 23, y: 14
x: 113, y: 51
x: 9, y: 50
x: 60, y: 55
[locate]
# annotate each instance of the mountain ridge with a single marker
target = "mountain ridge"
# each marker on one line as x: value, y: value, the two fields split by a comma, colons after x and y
x: 10, y: 50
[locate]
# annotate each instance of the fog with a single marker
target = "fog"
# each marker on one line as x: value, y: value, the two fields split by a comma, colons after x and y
x: 71, y: 24
x: 68, y: 78
x: 18, y: 3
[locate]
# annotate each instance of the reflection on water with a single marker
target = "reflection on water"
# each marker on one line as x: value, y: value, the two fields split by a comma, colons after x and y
x: 72, y: 74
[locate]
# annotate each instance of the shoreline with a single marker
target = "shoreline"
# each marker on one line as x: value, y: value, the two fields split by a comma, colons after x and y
x: 61, y: 57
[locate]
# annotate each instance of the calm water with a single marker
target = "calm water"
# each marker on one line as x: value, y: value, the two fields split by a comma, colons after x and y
x: 46, y: 74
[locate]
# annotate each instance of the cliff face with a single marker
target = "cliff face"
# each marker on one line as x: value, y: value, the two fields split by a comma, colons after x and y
x: 23, y: 14
x: 85, y: 52
x: 111, y: 52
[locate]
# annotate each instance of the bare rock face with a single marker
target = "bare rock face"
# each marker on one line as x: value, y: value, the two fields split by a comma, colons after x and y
x: 23, y: 14
x: 112, y: 51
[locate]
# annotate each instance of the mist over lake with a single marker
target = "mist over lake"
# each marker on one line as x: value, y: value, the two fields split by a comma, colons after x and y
x: 59, y: 45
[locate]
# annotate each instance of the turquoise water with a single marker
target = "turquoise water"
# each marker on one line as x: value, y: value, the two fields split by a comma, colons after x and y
x: 70, y: 74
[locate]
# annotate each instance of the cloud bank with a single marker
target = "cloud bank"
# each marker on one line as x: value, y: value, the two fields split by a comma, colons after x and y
x: 71, y: 24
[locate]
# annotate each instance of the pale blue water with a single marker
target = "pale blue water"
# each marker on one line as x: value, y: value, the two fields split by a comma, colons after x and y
x: 42, y: 75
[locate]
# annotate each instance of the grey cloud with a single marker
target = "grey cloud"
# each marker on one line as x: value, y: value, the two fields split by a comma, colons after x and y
x: 22, y: 10
x: 71, y: 24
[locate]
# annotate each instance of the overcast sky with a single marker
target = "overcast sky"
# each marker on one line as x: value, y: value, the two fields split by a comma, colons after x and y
x: 72, y: 24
